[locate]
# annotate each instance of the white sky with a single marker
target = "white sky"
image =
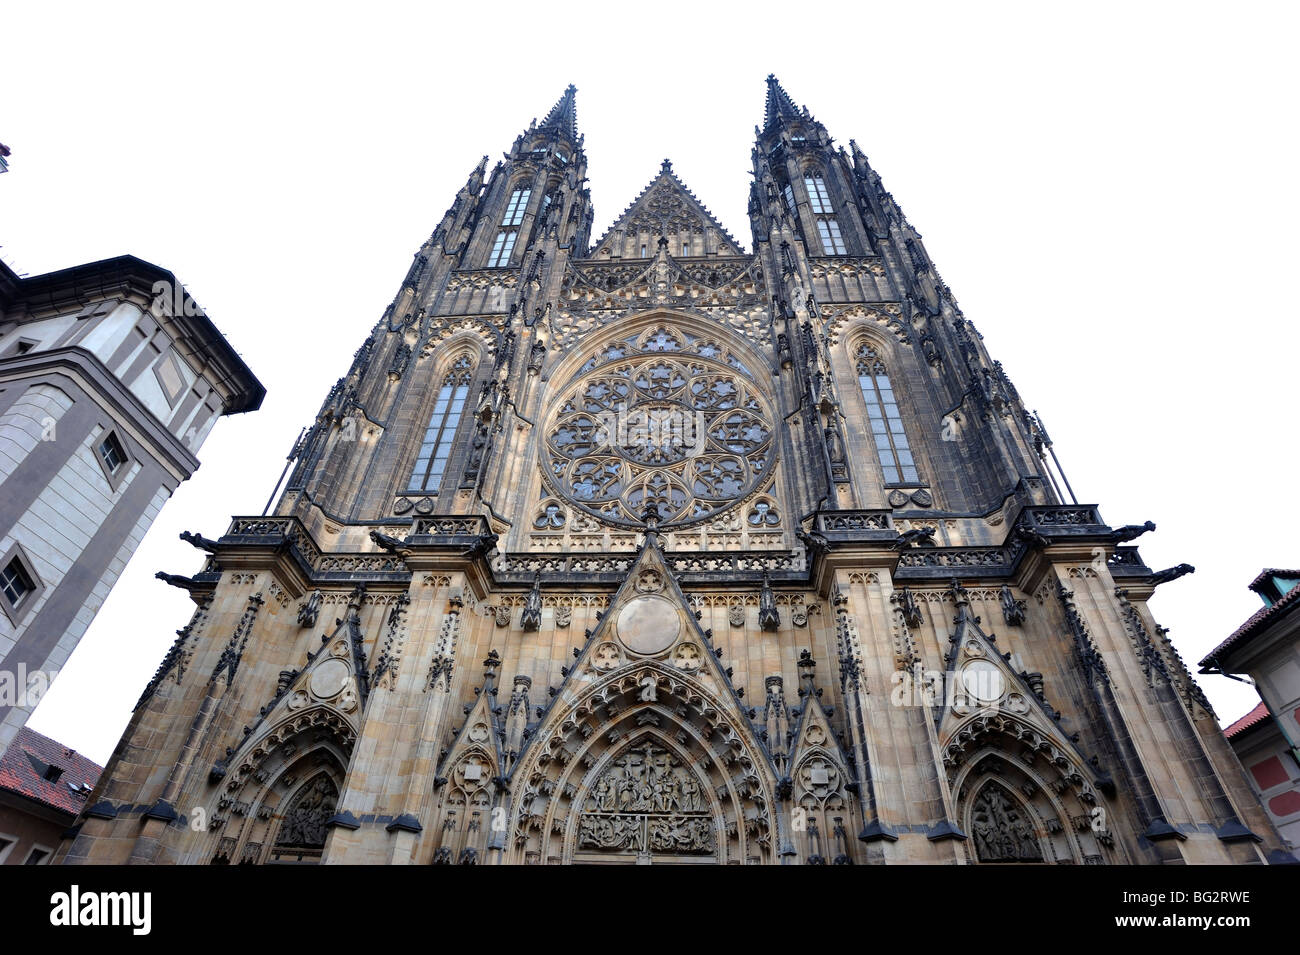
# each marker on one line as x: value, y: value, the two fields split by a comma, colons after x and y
x: 1109, y: 189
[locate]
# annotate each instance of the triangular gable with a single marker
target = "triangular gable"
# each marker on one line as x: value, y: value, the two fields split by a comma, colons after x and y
x: 480, y: 733
x: 333, y: 684
x: 667, y: 206
x: 812, y: 728
x: 648, y: 632
x: 979, y: 682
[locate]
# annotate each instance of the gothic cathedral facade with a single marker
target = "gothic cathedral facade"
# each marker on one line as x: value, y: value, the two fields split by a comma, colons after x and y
x: 645, y: 548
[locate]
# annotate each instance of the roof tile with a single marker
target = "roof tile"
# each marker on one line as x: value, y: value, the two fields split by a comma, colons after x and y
x: 19, y: 772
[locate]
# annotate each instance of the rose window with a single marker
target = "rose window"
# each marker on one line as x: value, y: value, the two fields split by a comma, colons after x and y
x: 661, y: 420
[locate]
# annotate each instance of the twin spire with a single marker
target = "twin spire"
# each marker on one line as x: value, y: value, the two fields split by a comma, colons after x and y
x: 563, y: 116
x: 779, y: 105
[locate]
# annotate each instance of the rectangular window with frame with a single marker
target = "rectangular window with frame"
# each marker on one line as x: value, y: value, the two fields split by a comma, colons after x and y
x: 170, y: 377
x: 112, y: 454
x: 20, y: 585
x: 16, y: 583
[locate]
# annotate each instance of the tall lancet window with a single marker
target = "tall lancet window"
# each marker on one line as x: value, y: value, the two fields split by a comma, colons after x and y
x: 441, y: 433
x: 885, y: 421
x: 828, y: 227
x: 819, y: 200
x: 510, y: 223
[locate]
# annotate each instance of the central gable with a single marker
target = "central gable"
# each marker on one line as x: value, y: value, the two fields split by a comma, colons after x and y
x: 665, y: 208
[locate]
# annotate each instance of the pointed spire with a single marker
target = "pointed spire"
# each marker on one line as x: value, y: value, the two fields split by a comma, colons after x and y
x: 563, y: 116
x: 779, y: 104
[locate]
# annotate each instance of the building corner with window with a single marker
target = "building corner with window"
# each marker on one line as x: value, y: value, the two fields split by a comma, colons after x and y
x: 648, y: 547
x: 111, y: 377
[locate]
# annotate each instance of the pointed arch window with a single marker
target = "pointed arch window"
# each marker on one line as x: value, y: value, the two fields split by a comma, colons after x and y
x: 440, y: 435
x: 828, y: 227
x: 515, y: 208
x: 832, y: 241
x: 819, y: 199
x: 886, y: 424
x: 504, y: 244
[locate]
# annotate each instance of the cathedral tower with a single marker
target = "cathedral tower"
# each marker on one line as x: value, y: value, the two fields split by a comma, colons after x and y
x: 645, y: 547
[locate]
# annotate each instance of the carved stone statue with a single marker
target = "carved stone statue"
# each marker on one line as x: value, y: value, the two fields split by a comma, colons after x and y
x: 477, y: 448
x: 1013, y: 610
x: 834, y: 447
x: 536, y: 356
x: 310, y: 610
x: 769, y: 618
x: 531, y: 618
x: 908, y: 607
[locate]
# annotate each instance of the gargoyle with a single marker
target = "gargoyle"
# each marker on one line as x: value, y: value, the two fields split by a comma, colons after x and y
x: 199, y: 541
x: 188, y: 584
x: 481, y: 547
x: 389, y: 544
x: 814, y: 543
x: 1171, y: 573
x: 914, y: 537
x: 1131, y: 531
x: 1030, y: 536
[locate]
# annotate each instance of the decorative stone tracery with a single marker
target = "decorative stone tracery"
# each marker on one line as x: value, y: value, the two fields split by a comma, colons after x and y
x: 662, y: 419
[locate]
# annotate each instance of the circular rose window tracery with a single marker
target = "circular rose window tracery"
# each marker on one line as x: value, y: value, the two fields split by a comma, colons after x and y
x: 661, y: 419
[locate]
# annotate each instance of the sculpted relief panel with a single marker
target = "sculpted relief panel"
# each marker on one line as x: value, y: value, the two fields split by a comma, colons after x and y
x: 647, y: 801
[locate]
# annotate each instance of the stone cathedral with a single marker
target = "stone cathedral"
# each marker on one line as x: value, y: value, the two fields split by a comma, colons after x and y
x: 647, y: 548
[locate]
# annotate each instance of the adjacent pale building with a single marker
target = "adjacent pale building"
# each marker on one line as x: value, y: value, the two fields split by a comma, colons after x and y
x: 1266, y: 648
x: 111, y: 378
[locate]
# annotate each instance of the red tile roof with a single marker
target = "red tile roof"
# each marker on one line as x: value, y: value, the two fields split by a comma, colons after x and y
x: 22, y: 771
x: 1255, y: 623
x: 1246, y: 722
